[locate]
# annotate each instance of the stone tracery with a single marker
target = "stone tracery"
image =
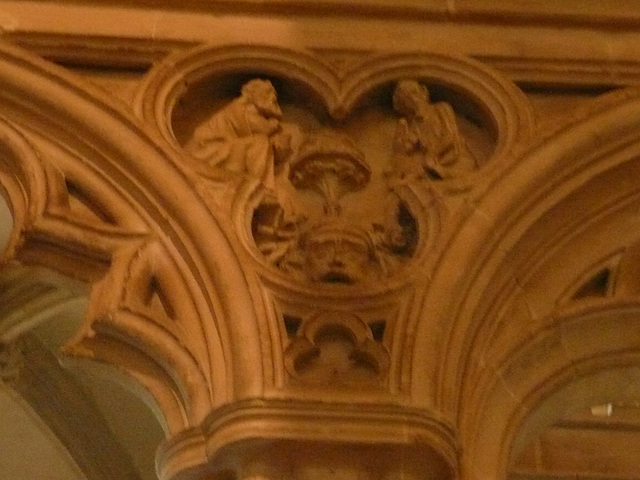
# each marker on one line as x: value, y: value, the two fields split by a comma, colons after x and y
x: 155, y: 302
x: 290, y: 232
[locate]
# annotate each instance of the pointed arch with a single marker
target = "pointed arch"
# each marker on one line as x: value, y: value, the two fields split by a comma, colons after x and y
x: 589, y: 356
x: 549, y: 217
x: 115, y: 153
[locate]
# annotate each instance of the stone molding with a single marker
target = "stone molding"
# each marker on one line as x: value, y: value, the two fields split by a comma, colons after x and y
x: 617, y: 13
x: 538, y: 69
x: 229, y: 436
x: 571, y: 162
x: 184, y: 302
x: 110, y: 153
x: 584, y: 342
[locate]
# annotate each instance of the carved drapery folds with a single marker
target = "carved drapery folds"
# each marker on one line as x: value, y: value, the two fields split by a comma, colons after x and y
x: 427, y: 141
x: 244, y: 137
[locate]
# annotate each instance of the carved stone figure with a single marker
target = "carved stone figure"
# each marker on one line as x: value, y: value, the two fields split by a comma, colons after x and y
x: 245, y: 136
x: 336, y: 252
x: 333, y: 249
x: 427, y: 140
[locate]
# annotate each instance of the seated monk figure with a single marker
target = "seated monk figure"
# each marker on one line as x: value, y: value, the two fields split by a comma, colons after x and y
x: 245, y: 136
x: 427, y: 140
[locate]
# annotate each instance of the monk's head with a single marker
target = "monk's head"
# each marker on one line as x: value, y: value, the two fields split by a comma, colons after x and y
x: 261, y: 93
x: 408, y: 96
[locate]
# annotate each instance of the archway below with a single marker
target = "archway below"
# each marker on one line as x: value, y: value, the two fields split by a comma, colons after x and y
x: 589, y: 429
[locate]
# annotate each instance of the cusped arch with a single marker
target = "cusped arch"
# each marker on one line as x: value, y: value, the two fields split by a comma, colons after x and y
x: 170, y: 79
x: 112, y: 149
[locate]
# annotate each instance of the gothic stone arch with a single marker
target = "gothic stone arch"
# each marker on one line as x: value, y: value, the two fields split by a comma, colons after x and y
x: 351, y: 285
x: 94, y: 196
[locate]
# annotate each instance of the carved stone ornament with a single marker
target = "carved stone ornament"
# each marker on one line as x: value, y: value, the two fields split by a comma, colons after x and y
x: 331, y: 247
x: 308, y: 176
x: 309, y: 440
x: 244, y: 137
x: 333, y: 178
x: 335, y: 348
x: 427, y: 141
x: 447, y: 272
x: 332, y: 165
x: 365, y: 230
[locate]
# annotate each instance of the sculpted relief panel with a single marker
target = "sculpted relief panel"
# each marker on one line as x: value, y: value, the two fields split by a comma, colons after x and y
x: 337, y: 201
x: 332, y: 189
x: 303, y: 223
x: 336, y: 194
x: 341, y: 187
x: 333, y: 246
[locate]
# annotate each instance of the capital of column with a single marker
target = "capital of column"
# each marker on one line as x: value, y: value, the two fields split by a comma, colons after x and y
x: 293, y: 440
